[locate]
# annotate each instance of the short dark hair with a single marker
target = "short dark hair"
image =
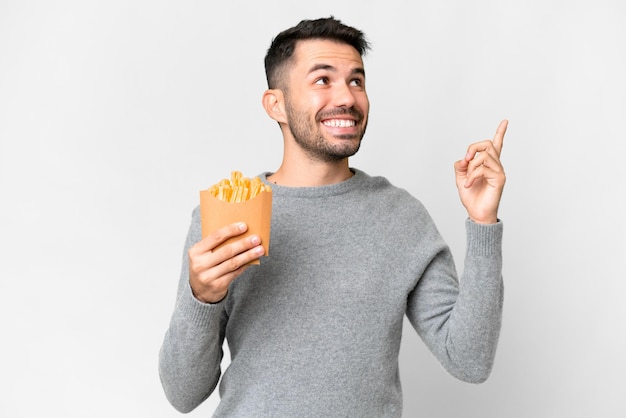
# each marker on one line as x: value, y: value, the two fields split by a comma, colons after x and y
x: 283, y: 45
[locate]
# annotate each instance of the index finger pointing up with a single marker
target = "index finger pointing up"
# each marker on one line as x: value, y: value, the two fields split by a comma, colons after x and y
x: 498, y: 138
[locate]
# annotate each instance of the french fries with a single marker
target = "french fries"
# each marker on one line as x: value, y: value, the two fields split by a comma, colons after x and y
x: 238, y: 188
x: 254, y: 207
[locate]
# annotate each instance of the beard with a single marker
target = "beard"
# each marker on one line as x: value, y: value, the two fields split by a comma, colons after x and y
x: 310, y: 137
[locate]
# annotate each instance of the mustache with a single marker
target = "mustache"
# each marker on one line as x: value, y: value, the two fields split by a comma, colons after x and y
x: 340, y: 111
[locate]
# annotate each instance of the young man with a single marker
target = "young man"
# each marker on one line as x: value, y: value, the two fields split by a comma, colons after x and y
x: 315, y: 329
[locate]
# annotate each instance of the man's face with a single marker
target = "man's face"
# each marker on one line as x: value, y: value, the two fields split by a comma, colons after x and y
x: 325, y: 100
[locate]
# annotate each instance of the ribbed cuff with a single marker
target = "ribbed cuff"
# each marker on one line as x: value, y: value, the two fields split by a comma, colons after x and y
x: 198, y: 313
x: 484, y: 239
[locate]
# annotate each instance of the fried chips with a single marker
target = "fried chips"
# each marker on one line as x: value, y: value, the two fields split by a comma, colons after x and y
x: 238, y: 189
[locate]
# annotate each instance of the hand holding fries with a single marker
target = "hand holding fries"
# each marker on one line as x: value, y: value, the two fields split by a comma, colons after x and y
x: 480, y: 178
x: 236, y: 217
x: 211, y: 270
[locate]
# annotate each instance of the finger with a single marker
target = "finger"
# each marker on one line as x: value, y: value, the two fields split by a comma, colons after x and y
x: 460, y: 167
x: 490, y: 170
x: 213, y: 271
x: 486, y: 159
x: 233, y: 266
x: 498, y: 138
x: 479, y: 173
x: 219, y: 236
x: 235, y: 248
x: 478, y: 148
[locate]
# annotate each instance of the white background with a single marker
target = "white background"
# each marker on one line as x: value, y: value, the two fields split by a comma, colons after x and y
x: 114, y: 114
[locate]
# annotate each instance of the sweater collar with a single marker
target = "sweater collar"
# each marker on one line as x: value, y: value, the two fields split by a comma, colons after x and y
x: 345, y: 186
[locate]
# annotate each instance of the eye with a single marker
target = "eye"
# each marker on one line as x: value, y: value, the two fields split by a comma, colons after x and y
x: 357, y: 82
x: 322, y: 81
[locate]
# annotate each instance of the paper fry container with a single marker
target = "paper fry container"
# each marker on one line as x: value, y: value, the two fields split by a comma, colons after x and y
x: 256, y: 213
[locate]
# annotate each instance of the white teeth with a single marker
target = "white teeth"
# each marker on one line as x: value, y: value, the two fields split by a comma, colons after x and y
x: 339, y: 123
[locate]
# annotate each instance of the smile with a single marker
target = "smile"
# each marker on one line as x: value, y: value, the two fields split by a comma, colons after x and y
x: 339, y: 123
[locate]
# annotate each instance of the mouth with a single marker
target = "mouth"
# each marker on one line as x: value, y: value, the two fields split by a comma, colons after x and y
x: 339, y: 123
x: 342, y: 123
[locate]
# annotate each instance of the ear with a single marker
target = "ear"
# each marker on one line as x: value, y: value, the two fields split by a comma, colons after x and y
x: 274, y: 104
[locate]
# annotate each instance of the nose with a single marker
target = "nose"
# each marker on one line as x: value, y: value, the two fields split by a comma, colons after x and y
x: 343, y: 95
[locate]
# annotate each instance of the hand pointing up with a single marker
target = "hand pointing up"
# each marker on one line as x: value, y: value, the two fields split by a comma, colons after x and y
x: 480, y: 178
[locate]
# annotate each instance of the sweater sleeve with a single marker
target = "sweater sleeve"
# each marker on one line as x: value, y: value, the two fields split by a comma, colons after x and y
x: 460, y: 321
x: 191, y: 352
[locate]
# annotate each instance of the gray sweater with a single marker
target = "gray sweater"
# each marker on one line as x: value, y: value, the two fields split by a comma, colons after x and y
x: 315, y: 329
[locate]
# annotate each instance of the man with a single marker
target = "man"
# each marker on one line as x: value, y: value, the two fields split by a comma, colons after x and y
x: 314, y: 330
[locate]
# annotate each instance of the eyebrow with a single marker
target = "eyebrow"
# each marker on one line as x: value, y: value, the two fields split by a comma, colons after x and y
x: 329, y: 67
